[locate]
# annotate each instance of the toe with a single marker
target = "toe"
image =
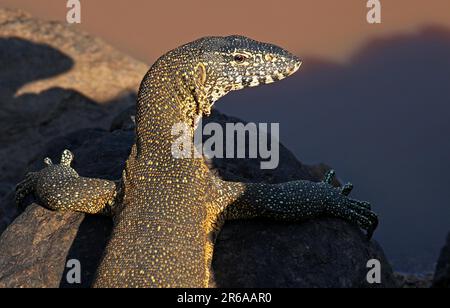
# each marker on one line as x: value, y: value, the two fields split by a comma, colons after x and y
x: 347, y: 189
x: 329, y: 177
x: 67, y: 158
x: 363, y: 204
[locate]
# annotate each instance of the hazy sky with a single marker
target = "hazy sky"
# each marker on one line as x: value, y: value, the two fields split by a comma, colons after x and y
x: 328, y: 29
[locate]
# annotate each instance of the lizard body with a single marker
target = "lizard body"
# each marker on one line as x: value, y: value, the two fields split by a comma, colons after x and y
x: 167, y: 211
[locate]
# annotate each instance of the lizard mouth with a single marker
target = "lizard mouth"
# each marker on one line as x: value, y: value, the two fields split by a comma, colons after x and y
x: 294, y: 65
x: 276, y: 76
x: 279, y: 74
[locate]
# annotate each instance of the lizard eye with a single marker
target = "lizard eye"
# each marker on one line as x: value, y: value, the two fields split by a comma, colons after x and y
x: 239, y: 58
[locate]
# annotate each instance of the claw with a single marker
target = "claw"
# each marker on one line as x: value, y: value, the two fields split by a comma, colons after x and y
x: 329, y: 177
x: 20, y: 186
x: 366, y: 205
x: 373, y: 218
x: 22, y: 190
x: 67, y: 158
x: 347, y: 189
x: 372, y: 229
x: 363, y: 212
x: 25, y: 187
x: 28, y: 179
x: 19, y: 198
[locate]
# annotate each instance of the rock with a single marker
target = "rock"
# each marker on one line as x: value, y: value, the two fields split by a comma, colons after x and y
x: 442, y: 273
x: 86, y: 64
x: 414, y: 281
x: 43, y: 236
x: 85, y: 119
x: 320, y: 253
x: 47, y: 241
x: 54, y: 80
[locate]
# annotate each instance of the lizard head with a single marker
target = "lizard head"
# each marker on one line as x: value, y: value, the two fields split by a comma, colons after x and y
x: 236, y: 62
x: 201, y: 72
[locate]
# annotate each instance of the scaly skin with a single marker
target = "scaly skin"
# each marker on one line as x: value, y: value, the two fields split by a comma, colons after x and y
x: 167, y: 211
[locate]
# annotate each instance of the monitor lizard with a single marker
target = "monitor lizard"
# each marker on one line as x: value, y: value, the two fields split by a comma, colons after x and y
x: 167, y: 211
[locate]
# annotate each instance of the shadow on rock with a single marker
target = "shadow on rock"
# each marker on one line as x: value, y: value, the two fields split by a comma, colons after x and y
x: 29, y: 121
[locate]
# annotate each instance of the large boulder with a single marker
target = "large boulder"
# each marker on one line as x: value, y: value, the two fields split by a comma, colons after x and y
x: 76, y: 83
x: 414, y: 280
x: 442, y: 273
x: 322, y: 253
x: 62, y: 56
x: 319, y: 253
x: 37, y: 235
x: 54, y: 80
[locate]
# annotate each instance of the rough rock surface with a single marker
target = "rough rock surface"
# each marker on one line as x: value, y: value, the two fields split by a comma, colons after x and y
x: 44, y: 234
x: 414, y: 281
x: 53, y: 80
x: 86, y: 63
x: 442, y: 274
x: 319, y: 253
x: 35, y: 247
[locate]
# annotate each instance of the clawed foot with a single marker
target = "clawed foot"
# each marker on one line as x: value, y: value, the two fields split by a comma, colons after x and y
x: 359, y: 212
x: 28, y: 185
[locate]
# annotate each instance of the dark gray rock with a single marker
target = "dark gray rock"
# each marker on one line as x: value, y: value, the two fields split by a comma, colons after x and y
x: 322, y: 253
x: 414, y: 281
x: 442, y: 274
x: 54, y: 80
x: 34, y: 248
x: 319, y: 253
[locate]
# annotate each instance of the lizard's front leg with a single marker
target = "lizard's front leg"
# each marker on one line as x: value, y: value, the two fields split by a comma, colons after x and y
x: 294, y: 201
x: 59, y: 187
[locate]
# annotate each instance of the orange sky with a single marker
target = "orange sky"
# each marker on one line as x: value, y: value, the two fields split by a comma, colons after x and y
x: 328, y: 29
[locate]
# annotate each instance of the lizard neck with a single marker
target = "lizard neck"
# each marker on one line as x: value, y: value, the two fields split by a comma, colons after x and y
x: 167, y: 99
